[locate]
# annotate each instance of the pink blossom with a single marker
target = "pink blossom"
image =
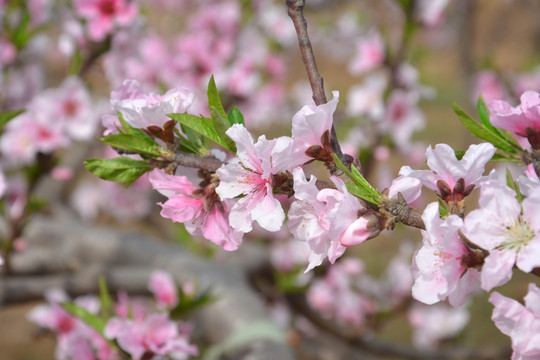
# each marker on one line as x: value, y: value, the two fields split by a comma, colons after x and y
x: 529, y: 181
x: 164, y: 289
x: 521, y: 323
x: 409, y: 187
x: 69, y: 105
x: 508, y: 230
x: 61, y: 173
x: 435, y: 323
x: 141, y: 110
x: 30, y: 133
x: 183, y: 205
x: 327, y: 220
x: 40, y: 11
x: 3, y: 183
x: 286, y: 256
x: 488, y: 84
x: 75, y: 338
x: 251, y: 176
x: 402, y: 117
x: 154, y: 335
x: 352, y: 307
x: 367, y: 98
x: 308, y: 125
x: 431, y: 12
x: 370, y: 53
x: 438, y: 265
x: 103, y: 15
x: 447, y: 171
x: 517, y: 119
x: 8, y: 52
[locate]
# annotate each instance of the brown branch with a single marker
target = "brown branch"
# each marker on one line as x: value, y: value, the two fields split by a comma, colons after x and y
x: 171, y: 163
x: 296, y: 13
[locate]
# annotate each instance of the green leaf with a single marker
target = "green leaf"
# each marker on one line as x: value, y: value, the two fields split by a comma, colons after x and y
x: 235, y: 116
x: 513, y: 185
x: 76, y: 62
x: 87, y: 317
x: 459, y: 154
x: 187, y: 304
x: 483, y: 112
x: 133, y: 143
x: 480, y: 131
x: 361, y: 187
x: 5, y: 117
x: 213, y: 98
x: 200, y: 124
x: 500, y: 158
x: 443, y: 208
x: 221, y: 125
x: 105, y: 298
x: 121, y: 169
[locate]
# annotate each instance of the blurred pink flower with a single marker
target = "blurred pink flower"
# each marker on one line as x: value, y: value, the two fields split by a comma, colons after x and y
x: 488, y: 84
x: 370, y: 53
x: 8, y: 52
x: 431, y: 12
x: 336, y: 295
x: 521, y: 323
x: 154, y: 335
x: 367, y: 98
x: 75, y: 338
x: 103, y: 15
x: 434, y: 323
x: 402, y: 117
x: 164, y: 289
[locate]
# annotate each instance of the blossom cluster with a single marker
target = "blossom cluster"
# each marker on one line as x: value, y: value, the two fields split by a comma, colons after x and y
x: 137, y: 329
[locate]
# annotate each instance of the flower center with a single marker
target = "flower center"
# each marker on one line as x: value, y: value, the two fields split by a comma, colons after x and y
x: 518, y: 235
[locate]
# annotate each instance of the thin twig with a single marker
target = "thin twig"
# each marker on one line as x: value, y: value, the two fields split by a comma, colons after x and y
x: 296, y: 13
x: 299, y: 304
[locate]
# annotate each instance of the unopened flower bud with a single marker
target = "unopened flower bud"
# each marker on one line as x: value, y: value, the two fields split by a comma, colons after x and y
x: 364, y: 228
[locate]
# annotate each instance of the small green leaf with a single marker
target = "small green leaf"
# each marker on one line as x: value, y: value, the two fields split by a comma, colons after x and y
x: 105, y: 298
x: 187, y: 304
x: 482, y: 132
x: 200, y: 124
x: 443, y: 208
x: 459, y: 154
x: 501, y: 158
x: 483, y: 112
x: 133, y: 143
x: 5, y: 117
x: 235, y: 116
x: 76, y: 62
x: 361, y: 187
x: 221, y: 125
x: 87, y: 317
x: 121, y: 169
x: 213, y: 98
x: 513, y: 185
